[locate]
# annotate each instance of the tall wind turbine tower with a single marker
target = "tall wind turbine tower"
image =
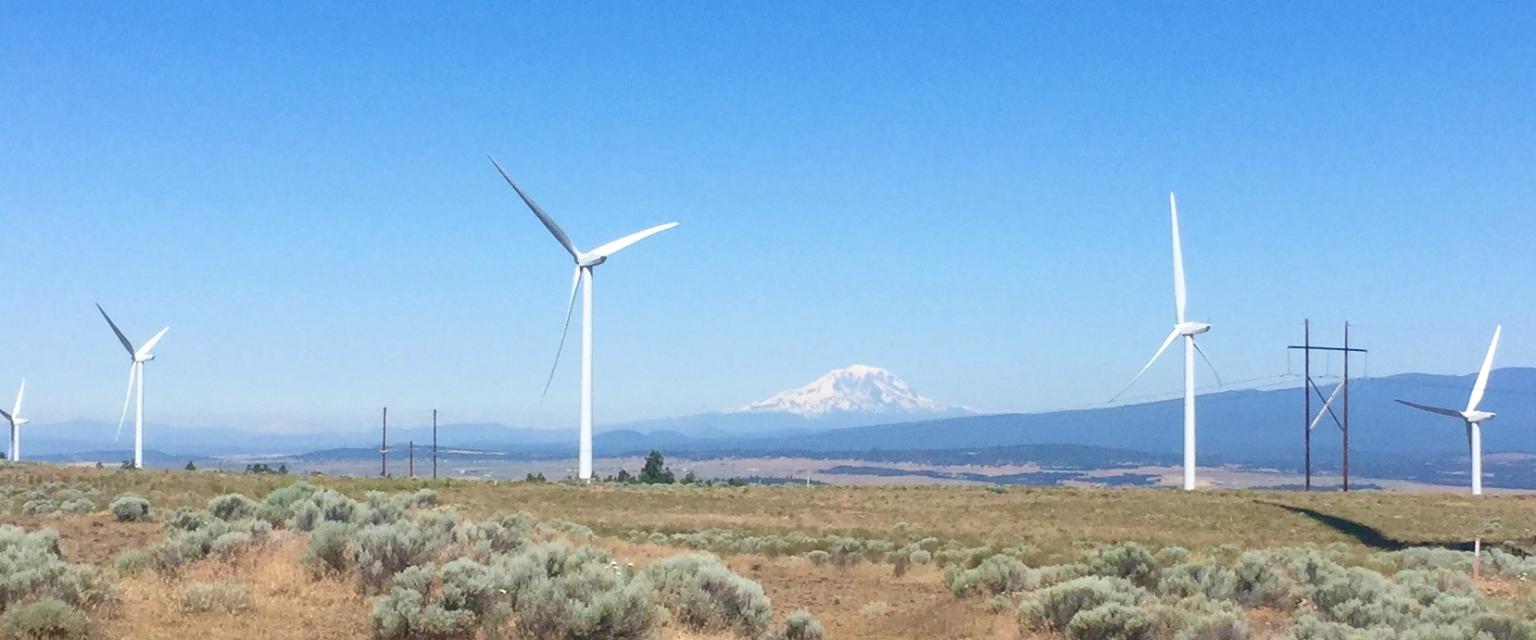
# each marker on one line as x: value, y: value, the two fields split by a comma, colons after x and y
x: 14, y: 417
x: 1473, y: 417
x: 1188, y: 330
x: 138, y: 358
x: 581, y: 278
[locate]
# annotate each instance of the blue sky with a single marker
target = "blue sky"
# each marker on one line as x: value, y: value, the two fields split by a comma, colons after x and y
x: 971, y: 195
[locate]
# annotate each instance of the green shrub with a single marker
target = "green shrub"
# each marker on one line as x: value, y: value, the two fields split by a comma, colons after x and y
x: 997, y: 574
x: 39, y: 506
x: 231, y: 544
x: 801, y: 625
x: 920, y: 557
x: 382, y: 550
x: 131, y: 561
x: 819, y: 557
x: 704, y: 595
x: 1054, y: 607
x: 1110, y: 621
x: 130, y: 508
x: 404, y: 614
x: 328, y: 552
x: 1260, y: 583
x: 1188, y: 579
x: 45, y: 619
x: 32, y: 567
x: 1129, y: 560
x: 77, y: 505
x: 232, y: 506
x: 561, y: 592
x: 230, y: 598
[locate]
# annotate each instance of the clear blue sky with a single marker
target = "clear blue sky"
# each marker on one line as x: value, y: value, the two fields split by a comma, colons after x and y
x: 972, y: 195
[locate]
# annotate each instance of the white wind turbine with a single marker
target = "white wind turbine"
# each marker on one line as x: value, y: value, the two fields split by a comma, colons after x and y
x: 135, y: 376
x: 1472, y: 416
x: 582, y: 278
x: 14, y: 417
x: 1181, y: 327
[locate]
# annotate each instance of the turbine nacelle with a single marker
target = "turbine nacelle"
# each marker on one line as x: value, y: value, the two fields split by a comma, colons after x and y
x: 143, y: 358
x: 588, y: 260
x: 1478, y: 417
x: 1191, y: 328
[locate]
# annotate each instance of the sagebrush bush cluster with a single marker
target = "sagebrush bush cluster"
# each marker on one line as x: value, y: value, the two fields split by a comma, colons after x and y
x: 436, y: 575
x: 41, y: 595
x: 1124, y: 591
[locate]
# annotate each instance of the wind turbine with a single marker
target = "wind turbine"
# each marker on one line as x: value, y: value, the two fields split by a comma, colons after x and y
x: 1472, y: 416
x: 135, y: 376
x: 1181, y: 327
x: 14, y: 417
x: 581, y: 278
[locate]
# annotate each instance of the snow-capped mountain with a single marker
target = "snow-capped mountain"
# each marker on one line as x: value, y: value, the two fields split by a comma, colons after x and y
x: 859, y: 389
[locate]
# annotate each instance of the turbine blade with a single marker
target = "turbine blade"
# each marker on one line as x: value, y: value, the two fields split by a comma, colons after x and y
x: 619, y: 245
x: 16, y: 410
x: 149, y: 346
x: 1179, y: 294
x: 1207, y: 360
x: 133, y: 370
x: 1482, y: 375
x: 549, y: 223
x: 7, y: 416
x: 120, y: 337
x: 564, y: 330
x: 1155, y: 356
x: 1440, y: 410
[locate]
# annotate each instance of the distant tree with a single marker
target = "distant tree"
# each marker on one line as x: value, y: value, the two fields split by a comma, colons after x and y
x: 127, y: 464
x: 655, y: 470
x: 190, y: 466
x: 534, y: 477
x: 282, y: 469
x: 690, y: 478
x: 262, y: 469
x: 623, y: 476
x: 736, y: 482
x: 98, y: 464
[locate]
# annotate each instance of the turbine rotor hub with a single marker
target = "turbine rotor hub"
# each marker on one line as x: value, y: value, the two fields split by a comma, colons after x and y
x: 1192, y: 328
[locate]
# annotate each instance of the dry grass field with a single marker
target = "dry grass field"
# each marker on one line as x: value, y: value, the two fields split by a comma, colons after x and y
x: 865, y: 600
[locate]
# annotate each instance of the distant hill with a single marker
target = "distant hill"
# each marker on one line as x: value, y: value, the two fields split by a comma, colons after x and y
x: 1246, y: 424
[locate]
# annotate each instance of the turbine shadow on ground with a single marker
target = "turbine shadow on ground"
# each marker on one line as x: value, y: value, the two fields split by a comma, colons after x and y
x: 1363, y: 533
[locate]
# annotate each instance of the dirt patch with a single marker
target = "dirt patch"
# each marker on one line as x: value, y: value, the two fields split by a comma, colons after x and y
x: 91, y: 538
x: 286, y: 603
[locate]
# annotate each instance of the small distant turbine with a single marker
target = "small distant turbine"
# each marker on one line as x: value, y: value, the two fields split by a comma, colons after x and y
x: 1472, y: 416
x: 14, y: 417
x: 138, y: 357
x: 1187, y: 329
x: 582, y: 277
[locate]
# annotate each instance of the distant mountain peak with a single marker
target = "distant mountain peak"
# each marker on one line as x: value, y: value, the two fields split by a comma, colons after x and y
x: 856, y: 389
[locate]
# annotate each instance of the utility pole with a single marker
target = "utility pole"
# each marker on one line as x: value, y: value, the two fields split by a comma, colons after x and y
x: 411, y: 464
x: 384, y: 446
x: 1306, y: 394
x: 1346, y: 406
x: 1309, y: 388
x: 434, y: 444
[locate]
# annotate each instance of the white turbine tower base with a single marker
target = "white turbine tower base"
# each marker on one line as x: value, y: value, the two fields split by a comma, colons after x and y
x: 586, y: 263
x: 1473, y: 417
x: 138, y: 358
x: 1182, y: 327
x: 14, y: 418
